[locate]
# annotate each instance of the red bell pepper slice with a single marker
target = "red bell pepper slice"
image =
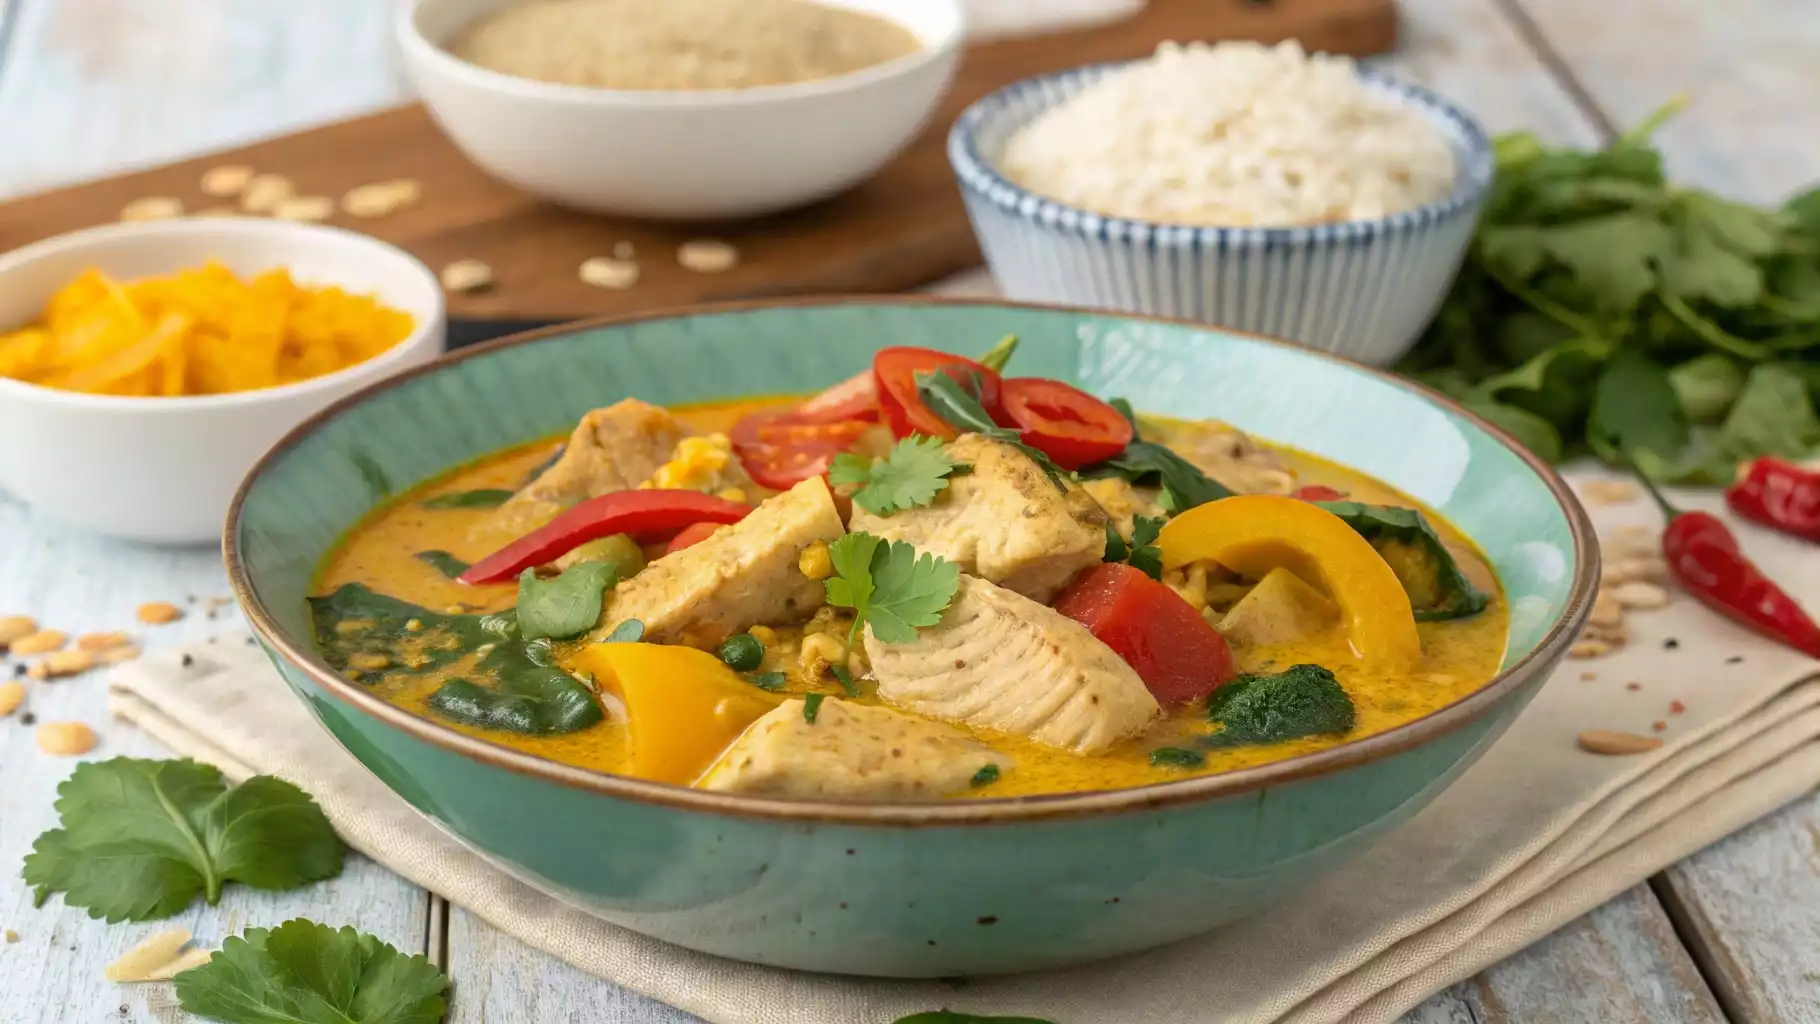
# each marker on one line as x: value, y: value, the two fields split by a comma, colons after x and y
x: 690, y: 536
x: 1063, y: 422
x: 1318, y: 492
x: 894, y: 373
x: 647, y: 516
x: 1175, y: 652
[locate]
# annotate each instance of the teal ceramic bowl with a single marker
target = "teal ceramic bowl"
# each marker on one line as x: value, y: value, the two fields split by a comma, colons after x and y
x: 924, y: 890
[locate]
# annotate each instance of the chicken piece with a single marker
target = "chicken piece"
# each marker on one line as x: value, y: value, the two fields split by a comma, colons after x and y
x: 1124, y: 502
x: 612, y: 449
x: 1230, y: 456
x: 742, y: 574
x: 851, y: 753
x: 1005, y: 521
x: 999, y: 660
x: 1280, y: 609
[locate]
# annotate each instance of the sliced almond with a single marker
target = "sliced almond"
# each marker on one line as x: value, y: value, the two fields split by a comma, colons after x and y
x: 1617, y: 744
x: 12, y: 694
x: 1606, y: 611
x: 137, y: 963
x: 66, y: 739
x: 158, y: 613
x: 1632, y: 541
x: 467, y: 276
x: 227, y: 180
x: 62, y: 663
x: 1638, y: 594
x: 102, y: 641
x: 189, y: 959
x: 602, y: 272
x: 707, y: 256
x: 1589, y: 649
x: 305, y: 209
x: 265, y: 191
x: 42, y: 642
x: 152, y: 208
x: 13, y: 627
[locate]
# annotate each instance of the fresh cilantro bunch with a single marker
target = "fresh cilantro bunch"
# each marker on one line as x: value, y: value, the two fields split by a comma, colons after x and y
x: 910, y: 475
x: 302, y: 972
x: 1602, y: 310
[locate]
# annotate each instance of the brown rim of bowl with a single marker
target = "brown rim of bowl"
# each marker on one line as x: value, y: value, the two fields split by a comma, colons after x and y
x: 958, y: 812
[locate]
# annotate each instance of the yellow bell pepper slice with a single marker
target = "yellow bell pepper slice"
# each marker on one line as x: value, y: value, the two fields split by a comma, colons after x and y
x: 1252, y: 534
x: 683, y: 706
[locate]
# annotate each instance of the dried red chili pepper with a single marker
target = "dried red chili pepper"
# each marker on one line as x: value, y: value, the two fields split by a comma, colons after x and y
x: 1707, y: 562
x: 1780, y: 495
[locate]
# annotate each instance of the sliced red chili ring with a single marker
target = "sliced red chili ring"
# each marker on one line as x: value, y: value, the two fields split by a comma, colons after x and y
x: 894, y: 373
x: 1063, y: 422
x: 646, y: 515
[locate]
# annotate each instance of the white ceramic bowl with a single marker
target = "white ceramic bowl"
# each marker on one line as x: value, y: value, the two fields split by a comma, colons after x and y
x: 163, y: 470
x: 682, y: 155
x: 1364, y: 289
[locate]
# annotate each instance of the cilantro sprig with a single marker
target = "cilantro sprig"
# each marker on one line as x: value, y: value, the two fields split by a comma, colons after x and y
x: 889, y: 586
x: 141, y: 839
x: 910, y: 475
x: 302, y: 972
x: 1142, y: 552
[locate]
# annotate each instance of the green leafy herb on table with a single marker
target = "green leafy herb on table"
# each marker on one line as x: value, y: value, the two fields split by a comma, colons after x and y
x: 141, y: 839
x: 1437, y: 587
x: 1145, y: 462
x: 960, y: 408
x: 1603, y: 310
x: 909, y: 476
x: 567, y: 605
x: 889, y: 587
x: 1303, y: 700
x: 443, y: 562
x: 302, y: 972
x: 485, y: 498
x: 1142, y: 553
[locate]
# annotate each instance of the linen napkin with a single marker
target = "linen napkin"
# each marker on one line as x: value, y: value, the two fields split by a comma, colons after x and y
x: 1535, y: 834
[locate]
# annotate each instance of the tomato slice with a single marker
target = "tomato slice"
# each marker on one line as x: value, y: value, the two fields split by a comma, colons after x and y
x: 690, y: 536
x: 1175, y: 652
x: 894, y: 373
x: 782, y: 448
x: 781, y: 467
x: 852, y: 399
x: 1063, y: 422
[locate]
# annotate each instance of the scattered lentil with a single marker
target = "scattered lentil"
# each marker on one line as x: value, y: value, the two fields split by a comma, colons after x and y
x: 602, y: 272
x: 1616, y: 744
x: 157, y: 613
x: 1633, y: 687
x: 1638, y: 594
x: 467, y: 276
x: 66, y: 739
x: 1658, y: 726
x: 307, y: 209
x: 152, y: 208
x: 217, y: 211
x: 137, y: 963
x: 1606, y: 611
x: 12, y: 627
x: 264, y: 192
x: 226, y: 180
x: 707, y: 256
x: 102, y: 641
x: 42, y: 642
x: 12, y: 694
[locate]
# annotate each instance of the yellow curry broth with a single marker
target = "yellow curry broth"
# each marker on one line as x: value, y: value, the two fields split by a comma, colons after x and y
x: 1458, y: 656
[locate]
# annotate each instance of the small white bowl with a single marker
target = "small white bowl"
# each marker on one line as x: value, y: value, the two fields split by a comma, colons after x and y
x: 163, y: 470
x: 682, y: 155
x: 1363, y: 289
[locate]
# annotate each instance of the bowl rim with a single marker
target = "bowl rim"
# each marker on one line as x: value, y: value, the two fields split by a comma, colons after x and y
x: 419, y: 45
x: 981, y: 180
x: 301, y: 654
x: 424, y: 327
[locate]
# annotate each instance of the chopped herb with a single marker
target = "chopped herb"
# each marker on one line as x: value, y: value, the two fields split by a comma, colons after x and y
x: 1437, y: 588
x: 845, y: 678
x: 485, y: 498
x: 630, y: 631
x: 960, y: 408
x: 1142, y: 553
x: 889, y: 587
x: 443, y: 562
x: 986, y: 776
x: 999, y: 356
x: 1145, y: 462
x: 772, y: 681
x: 566, y: 606
x: 812, y: 705
x: 553, y: 458
x: 141, y: 839
x: 302, y: 972
x: 1302, y: 700
x: 742, y: 652
x: 1177, y: 757
x: 909, y: 476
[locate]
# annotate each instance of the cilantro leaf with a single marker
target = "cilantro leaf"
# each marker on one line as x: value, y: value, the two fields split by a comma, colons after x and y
x: 565, y: 606
x: 630, y: 631
x: 1635, y: 409
x: 909, y: 476
x: 302, y: 972
x: 889, y: 587
x: 1141, y: 553
x: 141, y: 839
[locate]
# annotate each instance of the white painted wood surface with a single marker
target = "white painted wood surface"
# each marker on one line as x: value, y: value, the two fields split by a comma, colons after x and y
x: 90, y: 87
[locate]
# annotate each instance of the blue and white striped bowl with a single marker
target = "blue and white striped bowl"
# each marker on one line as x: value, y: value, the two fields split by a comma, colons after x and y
x: 1363, y: 289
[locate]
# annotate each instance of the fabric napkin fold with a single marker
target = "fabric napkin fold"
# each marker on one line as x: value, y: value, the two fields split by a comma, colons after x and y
x: 1535, y: 834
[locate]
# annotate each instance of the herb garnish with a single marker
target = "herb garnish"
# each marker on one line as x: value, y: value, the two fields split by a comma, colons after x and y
x: 1302, y: 700
x: 1177, y: 757
x: 812, y: 705
x: 302, y: 972
x: 484, y: 498
x: 742, y: 652
x: 889, y: 587
x: 909, y: 476
x: 772, y: 681
x: 141, y: 839
x: 630, y: 631
x: 959, y: 406
x: 567, y: 605
x: 1142, y: 553
x: 530, y: 695
x: 1437, y: 588
x: 998, y: 356
x: 845, y: 678
x: 1146, y: 462
x: 443, y: 562
x: 986, y: 776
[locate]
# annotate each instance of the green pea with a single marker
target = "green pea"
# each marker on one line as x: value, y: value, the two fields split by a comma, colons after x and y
x: 742, y: 652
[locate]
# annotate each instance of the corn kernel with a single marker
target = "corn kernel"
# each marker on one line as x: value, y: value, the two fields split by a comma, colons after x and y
x: 815, y: 562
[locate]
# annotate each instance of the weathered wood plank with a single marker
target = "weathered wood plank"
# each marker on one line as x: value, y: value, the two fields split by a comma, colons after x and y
x: 1747, y: 68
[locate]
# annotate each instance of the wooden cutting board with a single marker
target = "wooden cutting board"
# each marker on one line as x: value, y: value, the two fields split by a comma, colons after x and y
x: 903, y: 228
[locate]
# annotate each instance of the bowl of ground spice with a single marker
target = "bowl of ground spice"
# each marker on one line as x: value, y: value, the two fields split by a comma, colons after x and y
x: 681, y: 109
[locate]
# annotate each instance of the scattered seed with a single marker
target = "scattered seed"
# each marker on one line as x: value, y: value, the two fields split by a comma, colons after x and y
x: 1606, y: 611
x: 27, y: 718
x: 1658, y: 726
x: 381, y: 198
x: 1633, y: 687
x: 1589, y: 649
x: 602, y: 272
x: 308, y: 209
x: 118, y: 655
x: 227, y: 180
x: 152, y: 208
x: 188, y: 660
x: 1675, y: 707
x: 1671, y: 644
x: 42, y: 642
x: 707, y: 256
x: 467, y: 276
x: 10, y: 935
x: 1616, y: 635
x: 624, y: 250
x: 18, y: 669
x: 102, y: 641
x: 137, y: 963
x: 13, y: 627
x: 66, y: 739
x: 12, y: 694
x: 1735, y: 659
x: 1587, y: 677
x: 157, y: 613
x: 265, y: 191
x: 1609, y: 492
x: 1616, y: 744
x: 1640, y: 595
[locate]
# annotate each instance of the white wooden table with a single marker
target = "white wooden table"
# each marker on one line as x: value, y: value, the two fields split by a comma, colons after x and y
x: 91, y: 87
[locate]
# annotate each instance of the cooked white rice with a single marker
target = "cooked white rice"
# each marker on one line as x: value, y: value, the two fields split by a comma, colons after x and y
x: 1236, y: 134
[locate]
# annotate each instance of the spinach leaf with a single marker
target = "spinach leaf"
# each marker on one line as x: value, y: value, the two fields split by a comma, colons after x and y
x: 486, y: 498
x: 529, y: 696
x: 1145, y: 462
x: 630, y: 631
x: 1436, y: 586
x: 443, y: 562
x: 355, y: 620
x: 1304, y: 700
x: 959, y: 406
x: 567, y: 605
x: 1176, y: 757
